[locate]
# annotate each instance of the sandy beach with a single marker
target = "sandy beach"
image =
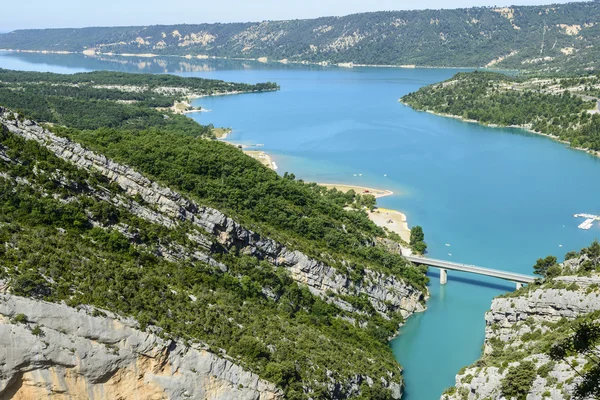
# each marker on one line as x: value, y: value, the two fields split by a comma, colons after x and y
x: 358, y: 189
x: 393, y: 220
x: 221, y: 133
x: 263, y: 157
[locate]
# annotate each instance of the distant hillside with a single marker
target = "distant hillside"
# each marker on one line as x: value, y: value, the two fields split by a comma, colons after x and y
x: 564, y: 108
x: 542, y: 38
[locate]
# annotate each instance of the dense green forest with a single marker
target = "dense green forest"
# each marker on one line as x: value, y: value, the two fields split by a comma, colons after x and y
x: 62, y: 241
x: 59, y: 242
x: 542, y: 38
x: 110, y: 99
x: 561, y: 107
x: 172, y: 150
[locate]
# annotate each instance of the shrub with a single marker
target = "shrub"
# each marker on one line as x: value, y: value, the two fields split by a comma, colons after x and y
x: 518, y: 381
x: 20, y: 318
x: 37, y: 331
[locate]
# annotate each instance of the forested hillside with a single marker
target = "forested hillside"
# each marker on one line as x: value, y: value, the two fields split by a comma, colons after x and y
x: 110, y: 100
x: 288, y: 284
x: 554, y: 38
x: 565, y: 108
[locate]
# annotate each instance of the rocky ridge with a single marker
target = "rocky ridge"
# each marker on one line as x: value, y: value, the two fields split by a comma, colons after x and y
x: 385, y: 292
x: 517, y: 327
x: 52, y: 350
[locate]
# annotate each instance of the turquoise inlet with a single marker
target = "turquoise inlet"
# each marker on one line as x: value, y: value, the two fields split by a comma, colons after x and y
x: 497, y: 198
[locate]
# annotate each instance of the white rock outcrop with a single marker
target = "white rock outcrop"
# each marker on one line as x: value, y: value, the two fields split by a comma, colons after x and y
x: 386, y: 293
x: 531, y: 313
x: 52, y: 350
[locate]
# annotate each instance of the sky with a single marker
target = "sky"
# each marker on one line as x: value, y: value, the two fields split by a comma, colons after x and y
x: 78, y: 13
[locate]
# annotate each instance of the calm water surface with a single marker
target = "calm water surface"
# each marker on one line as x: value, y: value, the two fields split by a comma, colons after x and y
x: 500, y: 198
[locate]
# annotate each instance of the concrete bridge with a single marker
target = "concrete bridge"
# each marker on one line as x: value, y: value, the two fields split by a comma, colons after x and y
x: 444, y: 266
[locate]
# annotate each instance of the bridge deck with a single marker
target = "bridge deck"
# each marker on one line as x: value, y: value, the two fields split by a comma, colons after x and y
x: 509, y: 276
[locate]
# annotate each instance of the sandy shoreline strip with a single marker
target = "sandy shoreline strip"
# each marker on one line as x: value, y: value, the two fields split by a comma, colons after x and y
x: 393, y: 220
x: 262, y: 157
x: 377, y: 193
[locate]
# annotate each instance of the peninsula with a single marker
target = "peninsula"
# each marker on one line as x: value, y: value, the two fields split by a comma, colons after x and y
x: 563, y: 108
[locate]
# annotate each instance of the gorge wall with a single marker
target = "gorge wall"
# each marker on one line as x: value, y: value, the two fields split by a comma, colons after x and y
x: 51, y: 350
x: 521, y: 327
x: 387, y: 293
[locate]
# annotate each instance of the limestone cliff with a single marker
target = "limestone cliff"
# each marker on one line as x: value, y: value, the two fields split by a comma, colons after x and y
x: 193, y: 233
x: 519, y: 328
x: 386, y: 293
x: 51, y: 350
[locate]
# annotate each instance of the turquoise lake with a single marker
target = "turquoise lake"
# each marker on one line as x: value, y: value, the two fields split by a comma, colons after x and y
x: 500, y: 198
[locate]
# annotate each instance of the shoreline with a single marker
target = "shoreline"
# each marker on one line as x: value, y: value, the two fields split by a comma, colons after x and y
x: 262, y: 60
x: 343, y: 187
x: 393, y: 220
x: 526, y: 129
x: 262, y: 157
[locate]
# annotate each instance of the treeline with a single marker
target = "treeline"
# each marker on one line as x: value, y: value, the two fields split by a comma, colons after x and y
x: 493, y: 98
x: 59, y: 242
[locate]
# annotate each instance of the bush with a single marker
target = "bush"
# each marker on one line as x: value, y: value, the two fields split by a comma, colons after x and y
x: 518, y: 381
x: 20, y: 318
x: 37, y: 331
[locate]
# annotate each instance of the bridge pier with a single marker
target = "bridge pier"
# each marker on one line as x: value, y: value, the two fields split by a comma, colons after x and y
x: 519, y: 285
x: 443, y: 276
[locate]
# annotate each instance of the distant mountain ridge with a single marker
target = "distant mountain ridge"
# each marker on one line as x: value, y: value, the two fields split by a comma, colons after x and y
x: 553, y: 38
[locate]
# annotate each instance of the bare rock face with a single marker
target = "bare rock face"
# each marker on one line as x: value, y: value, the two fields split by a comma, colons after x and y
x: 52, y: 350
x: 386, y: 293
x: 519, y: 324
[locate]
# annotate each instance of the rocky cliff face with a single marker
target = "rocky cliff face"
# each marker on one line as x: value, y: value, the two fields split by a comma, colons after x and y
x: 386, y: 293
x: 51, y: 350
x: 519, y: 328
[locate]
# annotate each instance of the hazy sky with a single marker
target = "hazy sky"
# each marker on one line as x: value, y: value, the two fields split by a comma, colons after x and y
x: 17, y: 14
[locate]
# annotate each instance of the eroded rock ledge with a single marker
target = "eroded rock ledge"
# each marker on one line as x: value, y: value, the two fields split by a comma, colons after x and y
x: 49, y: 349
x: 519, y: 325
x: 386, y: 293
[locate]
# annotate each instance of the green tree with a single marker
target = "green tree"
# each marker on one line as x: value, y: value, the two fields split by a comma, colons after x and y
x: 417, y: 240
x: 416, y: 235
x: 584, y: 341
x: 518, y: 381
x: 543, y: 264
x: 593, y: 256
